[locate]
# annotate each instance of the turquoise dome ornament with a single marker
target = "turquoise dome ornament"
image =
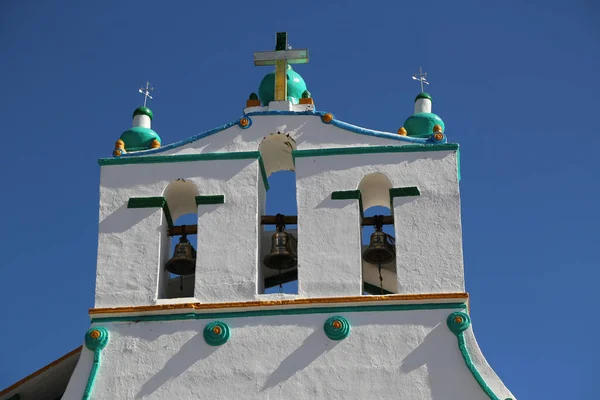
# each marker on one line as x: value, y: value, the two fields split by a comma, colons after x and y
x: 421, y: 125
x: 422, y: 122
x: 140, y: 136
x: 295, y: 87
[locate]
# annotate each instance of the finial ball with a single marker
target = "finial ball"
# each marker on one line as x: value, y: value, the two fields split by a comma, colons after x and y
x: 402, y: 131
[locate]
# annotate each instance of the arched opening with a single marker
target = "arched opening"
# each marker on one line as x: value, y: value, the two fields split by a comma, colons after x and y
x: 277, y: 269
x: 378, y: 244
x: 178, y: 263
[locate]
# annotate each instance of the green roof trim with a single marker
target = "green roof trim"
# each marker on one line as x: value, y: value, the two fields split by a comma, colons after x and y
x: 150, y: 202
x: 423, y: 95
x: 143, y: 111
x: 409, y: 148
x: 237, y: 155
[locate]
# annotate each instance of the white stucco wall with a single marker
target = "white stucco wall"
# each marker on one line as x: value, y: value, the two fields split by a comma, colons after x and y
x: 427, y: 227
x: 392, y: 354
x: 131, y: 246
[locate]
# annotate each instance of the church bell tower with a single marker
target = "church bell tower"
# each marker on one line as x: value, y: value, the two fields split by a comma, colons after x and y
x: 187, y: 254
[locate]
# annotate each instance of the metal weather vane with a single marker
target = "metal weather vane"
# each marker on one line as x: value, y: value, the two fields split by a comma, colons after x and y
x: 421, y: 77
x: 146, y: 92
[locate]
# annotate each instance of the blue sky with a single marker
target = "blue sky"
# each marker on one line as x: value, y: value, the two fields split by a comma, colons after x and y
x: 515, y: 82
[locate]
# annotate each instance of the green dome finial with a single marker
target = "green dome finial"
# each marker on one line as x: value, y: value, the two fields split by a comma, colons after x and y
x: 423, y: 95
x: 295, y: 87
x: 140, y: 136
x: 143, y: 111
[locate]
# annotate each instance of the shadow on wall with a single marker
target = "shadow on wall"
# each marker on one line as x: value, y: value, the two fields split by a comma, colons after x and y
x: 124, y: 218
x: 193, y: 350
x: 302, y: 357
x: 449, y: 377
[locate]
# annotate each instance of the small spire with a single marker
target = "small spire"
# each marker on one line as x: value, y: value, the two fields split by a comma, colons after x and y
x: 146, y: 92
x: 421, y: 77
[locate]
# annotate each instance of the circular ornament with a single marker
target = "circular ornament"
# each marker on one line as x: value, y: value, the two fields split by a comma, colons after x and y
x: 96, y: 338
x: 337, y: 328
x: 402, y: 131
x: 120, y: 144
x: 216, y: 333
x: 327, y: 118
x: 117, y: 152
x: 245, y: 122
x: 437, y: 128
x: 155, y: 144
x: 438, y: 136
x: 458, y: 322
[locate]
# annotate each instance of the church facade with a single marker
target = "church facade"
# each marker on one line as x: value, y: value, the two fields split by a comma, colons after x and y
x: 388, y: 319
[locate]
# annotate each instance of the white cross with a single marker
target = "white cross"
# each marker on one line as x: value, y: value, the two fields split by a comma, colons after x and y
x: 421, y: 77
x: 146, y: 92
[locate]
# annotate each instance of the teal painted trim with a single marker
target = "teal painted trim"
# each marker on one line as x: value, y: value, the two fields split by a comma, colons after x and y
x: 263, y: 172
x: 95, y: 344
x: 289, y: 311
x: 339, y: 333
x: 458, y: 322
x: 210, y: 199
x: 458, y: 164
x: 239, y: 155
x: 150, y: 202
x: 217, y: 333
x: 409, y: 148
x: 349, y: 195
x: 402, y: 192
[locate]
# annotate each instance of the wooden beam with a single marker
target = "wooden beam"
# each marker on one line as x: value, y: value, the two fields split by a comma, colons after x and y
x: 270, y: 220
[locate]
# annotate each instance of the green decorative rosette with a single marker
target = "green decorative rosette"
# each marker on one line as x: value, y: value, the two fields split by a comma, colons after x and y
x: 458, y: 322
x: 216, y: 333
x: 337, y: 328
x: 96, y: 338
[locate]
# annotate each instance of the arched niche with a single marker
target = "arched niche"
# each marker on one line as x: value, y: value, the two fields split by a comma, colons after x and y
x: 181, y: 198
x: 181, y: 201
x: 375, y: 196
x: 276, y: 153
x: 375, y: 190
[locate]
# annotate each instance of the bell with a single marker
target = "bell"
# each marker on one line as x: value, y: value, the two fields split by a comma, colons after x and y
x: 284, y: 248
x: 184, y: 258
x: 382, y: 249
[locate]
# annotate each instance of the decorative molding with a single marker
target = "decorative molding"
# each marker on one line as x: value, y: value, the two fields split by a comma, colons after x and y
x: 282, y: 311
x: 336, y: 328
x: 245, y: 122
x: 216, y: 333
x: 236, y: 155
x: 340, y: 124
x: 151, y: 202
x: 96, y: 339
x: 460, y: 296
x: 409, y: 148
x: 210, y: 199
x: 458, y: 322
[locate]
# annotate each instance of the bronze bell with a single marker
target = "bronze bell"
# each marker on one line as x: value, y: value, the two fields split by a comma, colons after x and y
x: 382, y: 248
x: 184, y: 258
x: 284, y: 249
